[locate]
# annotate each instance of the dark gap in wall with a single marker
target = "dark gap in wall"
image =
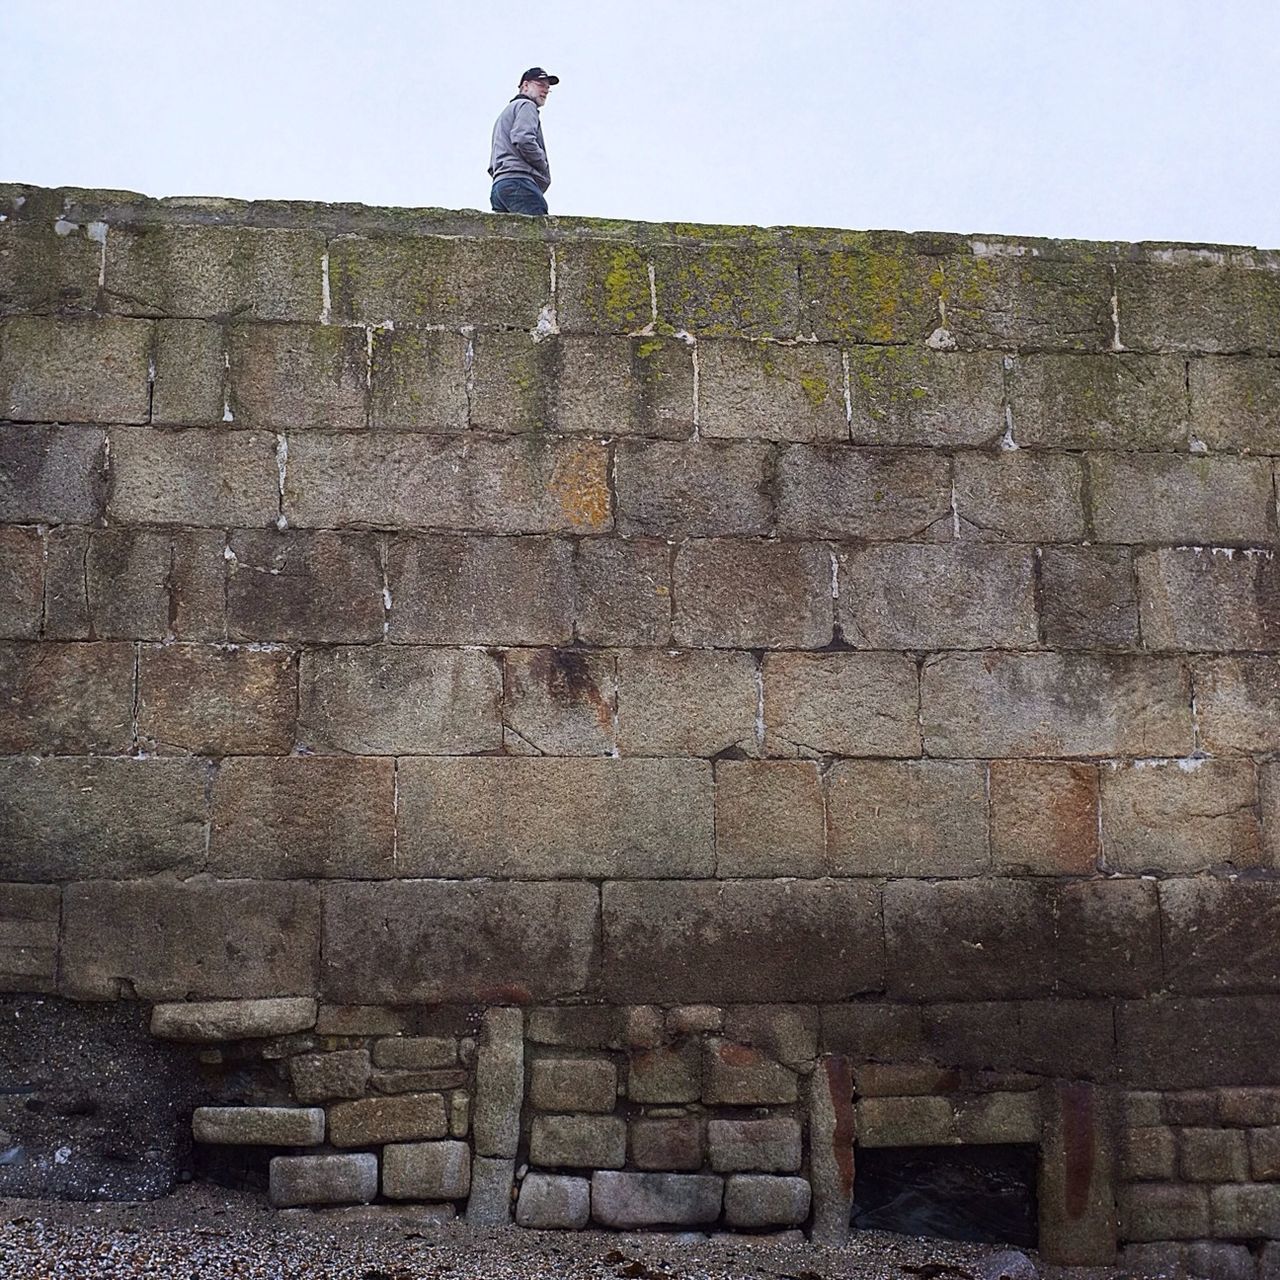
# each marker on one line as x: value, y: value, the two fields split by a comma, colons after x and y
x: 982, y: 1194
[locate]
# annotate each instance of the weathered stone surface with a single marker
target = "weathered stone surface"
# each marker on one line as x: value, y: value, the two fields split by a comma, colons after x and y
x: 623, y: 591
x: 394, y: 700
x: 788, y: 1032
x: 573, y: 1084
x: 499, y: 1083
x: 1220, y: 936
x: 1235, y: 404
x: 737, y: 1075
x: 1148, y: 1154
x: 1149, y: 497
x: 301, y: 586
x: 909, y: 817
x: 1264, y: 1153
x: 197, y: 595
x: 769, y: 818
x: 303, y: 816
x: 90, y: 370
x: 489, y: 1204
x: 1002, y: 301
x: 30, y: 916
x: 328, y: 1179
x: 360, y: 1020
x: 1099, y: 402
x: 699, y: 702
x: 419, y: 381
x: 583, y: 1027
x: 1163, y: 1211
x: 1238, y: 701
x: 1106, y: 938
x: 868, y: 294
x: 1007, y: 1118
x: 408, y: 480
x: 259, y: 1126
x: 439, y: 280
x: 457, y: 940
x: 481, y: 590
x: 247, y: 701
x: 784, y: 940
x: 873, y: 494
x: 578, y: 1142
x: 914, y: 396
x: 210, y: 1021
x: 415, y: 1052
x: 194, y: 476
x: 426, y: 1170
x: 763, y: 1146
x: 831, y: 1134
x: 980, y: 1034
x: 558, y: 702
x: 403, y: 1118
x: 66, y: 818
x: 630, y: 1200
x: 66, y: 699
x: 554, y: 1202
x: 1088, y: 598
x: 644, y: 1026
x: 207, y: 939
x: 555, y: 817
x: 324, y: 1077
x: 1206, y: 600
x: 845, y: 704
x: 1196, y: 306
x: 1055, y: 704
x: 1019, y: 496
x: 52, y: 473
x: 173, y: 270
x: 22, y: 571
x: 718, y: 289
x: 284, y: 377
x: 1189, y: 1042
x: 1213, y: 1155
x: 759, y: 1201
x: 602, y: 286
x: 1044, y: 817
x: 1249, y: 1106
x: 923, y: 597
x: 665, y: 1074
x: 673, y: 1143
x: 1245, y: 1211
x: 1180, y: 816
x: 702, y: 489
x: 745, y: 594
x: 1076, y: 1187
x: 191, y: 385
x: 921, y: 1121
x: 427, y: 1080
x: 752, y: 390
x: 46, y: 268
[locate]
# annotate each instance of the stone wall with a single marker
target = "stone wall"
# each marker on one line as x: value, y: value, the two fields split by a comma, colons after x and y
x: 661, y: 705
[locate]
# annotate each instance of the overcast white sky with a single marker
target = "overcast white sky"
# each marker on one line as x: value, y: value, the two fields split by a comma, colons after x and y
x: 1105, y: 119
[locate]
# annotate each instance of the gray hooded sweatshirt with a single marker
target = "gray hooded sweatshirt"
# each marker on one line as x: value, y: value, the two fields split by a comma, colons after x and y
x: 518, y: 150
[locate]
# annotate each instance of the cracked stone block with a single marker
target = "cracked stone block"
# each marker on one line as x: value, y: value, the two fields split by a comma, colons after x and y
x: 636, y: 1200
x: 1180, y: 817
x: 844, y: 704
x: 426, y: 1170
x: 769, y: 819
x: 1089, y: 598
x: 1008, y: 1118
x: 392, y: 1081
x: 1245, y: 1211
x: 788, y: 1032
x: 758, y: 1201
x: 579, y: 1142
x: 327, y: 1179
x: 1238, y: 700
x: 552, y: 1202
x: 909, y: 817
x: 1020, y: 496
x: 737, y: 1075
x: 211, y: 1021
x: 761, y: 1146
x: 259, y: 1126
x: 573, y: 1084
x: 857, y: 493
x: 559, y: 702
x: 112, y: 584
x: 934, y: 597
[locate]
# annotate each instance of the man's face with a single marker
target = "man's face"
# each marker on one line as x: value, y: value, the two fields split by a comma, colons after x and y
x: 535, y: 89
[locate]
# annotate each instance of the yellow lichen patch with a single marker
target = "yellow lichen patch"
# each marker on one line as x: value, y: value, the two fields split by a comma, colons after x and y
x: 815, y: 388
x: 580, y: 481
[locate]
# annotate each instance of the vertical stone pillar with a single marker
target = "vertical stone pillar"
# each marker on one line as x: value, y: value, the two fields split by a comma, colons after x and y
x: 831, y: 1148
x: 1077, y: 1177
x: 495, y: 1123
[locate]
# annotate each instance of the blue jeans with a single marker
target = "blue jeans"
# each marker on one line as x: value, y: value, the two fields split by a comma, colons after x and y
x: 517, y: 195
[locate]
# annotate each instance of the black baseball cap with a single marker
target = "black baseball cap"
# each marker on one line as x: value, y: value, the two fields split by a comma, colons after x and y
x: 537, y: 73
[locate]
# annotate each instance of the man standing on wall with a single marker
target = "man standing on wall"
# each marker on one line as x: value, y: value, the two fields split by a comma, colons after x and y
x: 518, y: 157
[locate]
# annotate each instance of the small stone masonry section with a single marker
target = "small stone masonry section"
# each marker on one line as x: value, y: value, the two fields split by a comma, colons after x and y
x: 454, y: 622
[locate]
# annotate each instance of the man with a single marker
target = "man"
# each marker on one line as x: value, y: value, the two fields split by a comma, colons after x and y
x: 518, y: 157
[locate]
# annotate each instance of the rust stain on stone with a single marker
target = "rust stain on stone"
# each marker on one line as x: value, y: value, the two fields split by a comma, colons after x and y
x: 840, y: 1086
x: 739, y: 1055
x: 1078, y: 1153
x: 567, y: 676
x: 580, y: 483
